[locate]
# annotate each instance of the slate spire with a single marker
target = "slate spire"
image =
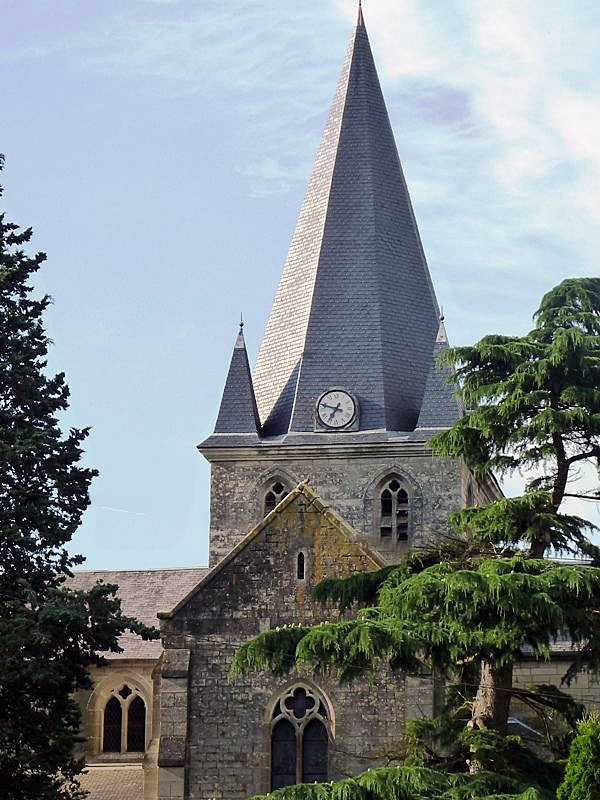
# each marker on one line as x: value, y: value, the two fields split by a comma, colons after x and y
x: 238, y: 412
x: 355, y: 308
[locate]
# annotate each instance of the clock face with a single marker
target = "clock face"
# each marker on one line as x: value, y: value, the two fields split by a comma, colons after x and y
x: 336, y: 409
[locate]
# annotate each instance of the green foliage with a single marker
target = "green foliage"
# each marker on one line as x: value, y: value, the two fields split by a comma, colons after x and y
x: 530, y: 518
x: 443, y: 617
x: 412, y: 783
x: 272, y: 651
x: 534, y: 403
x: 361, y: 588
x: 49, y: 634
x: 582, y: 774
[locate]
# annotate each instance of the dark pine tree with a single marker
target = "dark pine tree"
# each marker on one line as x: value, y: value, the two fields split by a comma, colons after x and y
x: 471, y: 607
x: 49, y: 634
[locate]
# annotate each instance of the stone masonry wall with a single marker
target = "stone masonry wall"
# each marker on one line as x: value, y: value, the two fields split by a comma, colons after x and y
x: 585, y: 688
x: 349, y: 483
x: 228, y: 753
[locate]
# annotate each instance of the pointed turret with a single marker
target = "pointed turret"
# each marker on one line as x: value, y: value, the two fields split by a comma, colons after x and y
x: 440, y: 408
x: 355, y: 308
x: 238, y: 412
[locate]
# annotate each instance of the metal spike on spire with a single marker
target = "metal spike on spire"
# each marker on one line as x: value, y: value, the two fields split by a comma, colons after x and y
x: 240, y: 344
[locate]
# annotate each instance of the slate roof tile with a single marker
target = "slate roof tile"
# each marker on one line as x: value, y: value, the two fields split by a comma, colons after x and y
x: 114, y: 782
x: 143, y: 593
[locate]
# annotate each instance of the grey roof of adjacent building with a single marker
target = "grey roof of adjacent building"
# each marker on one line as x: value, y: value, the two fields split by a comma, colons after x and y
x: 355, y: 307
x: 441, y: 407
x: 238, y: 412
x: 113, y: 782
x: 143, y: 592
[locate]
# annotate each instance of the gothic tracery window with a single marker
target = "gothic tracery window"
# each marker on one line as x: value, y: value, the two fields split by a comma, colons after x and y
x: 299, y: 738
x: 274, y: 495
x: 394, y: 512
x: 124, y: 722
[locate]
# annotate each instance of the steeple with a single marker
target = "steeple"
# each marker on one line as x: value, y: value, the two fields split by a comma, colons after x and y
x: 238, y: 412
x: 355, y: 308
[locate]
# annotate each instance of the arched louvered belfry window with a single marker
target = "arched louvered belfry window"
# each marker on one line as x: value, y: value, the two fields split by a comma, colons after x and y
x: 136, y: 726
x: 299, y: 738
x: 274, y: 495
x: 124, y: 722
x: 394, y: 512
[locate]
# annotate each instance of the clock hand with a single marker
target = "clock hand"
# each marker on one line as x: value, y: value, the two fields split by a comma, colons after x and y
x: 334, y: 412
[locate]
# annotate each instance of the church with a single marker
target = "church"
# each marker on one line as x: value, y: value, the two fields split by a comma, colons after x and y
x: 319, y: 468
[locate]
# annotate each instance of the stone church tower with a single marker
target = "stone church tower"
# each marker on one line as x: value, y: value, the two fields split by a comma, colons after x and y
x: 345, y: 390
x: 319, y: 467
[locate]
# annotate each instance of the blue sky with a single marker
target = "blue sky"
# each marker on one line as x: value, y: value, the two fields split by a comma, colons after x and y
x: 160, y: 150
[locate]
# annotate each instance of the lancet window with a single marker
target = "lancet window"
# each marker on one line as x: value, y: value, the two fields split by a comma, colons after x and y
x: 300, y: 729
x: 394, y: 512
x: 124, y: 722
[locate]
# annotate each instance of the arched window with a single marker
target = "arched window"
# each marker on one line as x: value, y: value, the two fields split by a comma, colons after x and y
x: 274, y: 495
x: 299, y: 739
x: 136, y: 726
x: 124, y: 725
x: 113, y: 724
x: 300, y: 567
x: 394, y: 506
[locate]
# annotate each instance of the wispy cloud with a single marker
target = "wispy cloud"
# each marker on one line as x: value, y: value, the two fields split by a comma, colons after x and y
x: 268, y: 62
x: 124, y: 511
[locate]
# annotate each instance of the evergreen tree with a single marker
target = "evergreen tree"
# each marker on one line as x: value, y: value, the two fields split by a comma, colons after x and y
x: 582, y: 775
x: 468, y: 608
x: 49, y: 634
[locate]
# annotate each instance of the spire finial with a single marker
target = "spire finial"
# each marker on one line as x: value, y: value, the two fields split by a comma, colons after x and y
x: 442, y: 337
x: 360, y: 21
x: 240, y: 337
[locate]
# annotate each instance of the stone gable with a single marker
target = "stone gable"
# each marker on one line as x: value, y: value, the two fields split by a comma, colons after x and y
x: 227, y: 726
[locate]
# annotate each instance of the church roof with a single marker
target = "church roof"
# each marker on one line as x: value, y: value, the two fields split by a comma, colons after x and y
x: 355, y: 307
x: 238, y: 412
x: 113, y: 782
x: 142, y: 592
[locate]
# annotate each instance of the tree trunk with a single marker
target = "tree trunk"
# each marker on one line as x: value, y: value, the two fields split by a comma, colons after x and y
x: 492, y: 701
